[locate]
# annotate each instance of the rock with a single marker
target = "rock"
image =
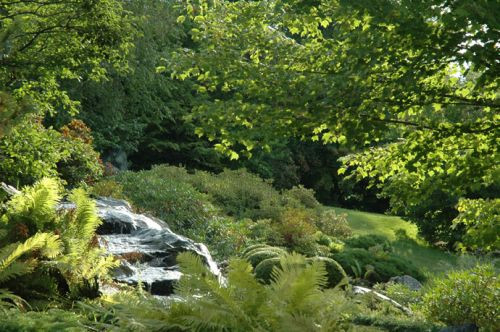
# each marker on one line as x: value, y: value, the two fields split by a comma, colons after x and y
x: 364, y: 290
x: 145, y: 245
x: 461, y: 328
x: 408, y: 281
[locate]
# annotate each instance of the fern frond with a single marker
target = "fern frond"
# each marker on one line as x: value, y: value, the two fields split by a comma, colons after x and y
x: 10, y: 253
x: 37, y: 202
x: 298, y: 285
x: 197, y: 279
x: 17, y: 269
x: 9, y: 300
x: 85, y: 219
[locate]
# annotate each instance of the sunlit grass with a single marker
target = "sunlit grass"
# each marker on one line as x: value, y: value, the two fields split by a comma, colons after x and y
x: 413, y: 248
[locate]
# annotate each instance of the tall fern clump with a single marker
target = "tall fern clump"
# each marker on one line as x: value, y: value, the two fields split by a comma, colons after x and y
x: 295, y: 300
x: 38, y: 241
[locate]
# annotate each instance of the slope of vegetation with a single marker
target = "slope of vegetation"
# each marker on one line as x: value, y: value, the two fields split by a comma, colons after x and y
x: 277, y: 110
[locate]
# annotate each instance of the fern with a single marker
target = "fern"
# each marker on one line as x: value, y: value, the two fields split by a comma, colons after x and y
x: 82, y: 260
x: 36, y: 204
x: 49, y: 244
x: 294, y: 301
x: 9, y: 300
x: 84, y: 221
x: 74, y: 252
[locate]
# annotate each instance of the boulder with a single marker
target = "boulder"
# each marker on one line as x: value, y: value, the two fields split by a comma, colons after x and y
x: 408, y: 281
x: 145, y: 245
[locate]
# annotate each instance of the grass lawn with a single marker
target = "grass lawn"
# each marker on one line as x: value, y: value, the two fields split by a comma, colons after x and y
x: 429, y: 259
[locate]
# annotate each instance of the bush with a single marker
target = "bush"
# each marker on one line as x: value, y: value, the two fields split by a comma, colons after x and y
x: 226, y: 237
x: 335, y: 272
x: 396, y: 324
x: 30, y: 152
x: 369, y: 241
x: 403, y: 294
x: 108, y: 188
x: 298, y: 229
x: 47, y: 321
x: 180, y: 205
x: 252, y: 247
x: 255, y: 256
x: 82, y: 163
x: 361, y: 263
x: 300, y: 197
x: 264, y: 230
x: 239, y: 193
x: 333, y: 224
x: 470, y: 296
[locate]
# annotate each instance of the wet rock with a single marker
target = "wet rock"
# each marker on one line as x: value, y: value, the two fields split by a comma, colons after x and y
x: 146, y: 247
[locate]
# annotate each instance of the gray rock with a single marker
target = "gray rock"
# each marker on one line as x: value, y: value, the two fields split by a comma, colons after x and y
x: 363, y: 290
x: 145, y: 245
x: 408, y: 281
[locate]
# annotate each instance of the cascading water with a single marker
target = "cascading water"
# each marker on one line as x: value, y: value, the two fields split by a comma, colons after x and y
x: 146, y: 247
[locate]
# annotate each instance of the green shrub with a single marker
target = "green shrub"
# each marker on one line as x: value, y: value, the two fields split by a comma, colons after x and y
x: 300, y: 197
x: 255, y: 258
x: 47, y: 321
x: 180, y: 205
x: 369, y: 241
x: 108, y: 188
x: 264, y: 269
x: 375, y: 268
x: 30, y: 152
x: 277, y: 250
x: 239, y: 193
x: 82, y: 163
x: 264, y: 230
x: 396, y: 324
x: 403, y: 294
x: 298, y: 229
x: 252, y: 247
x: 257, y: 255
x: 225, y: 237
x: 333, y: 224
x: 335, y: 272
x: 470, y: 296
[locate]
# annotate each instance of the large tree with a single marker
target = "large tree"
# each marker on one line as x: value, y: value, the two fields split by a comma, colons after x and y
x: 45, y: 41
x: 421, y: 76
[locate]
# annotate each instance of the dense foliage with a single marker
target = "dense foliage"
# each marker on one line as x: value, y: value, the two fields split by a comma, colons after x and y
x: 44, y: 42
x: 273, y: 108
x: 30, y: 152
x: 46, y: 252
x: 358, y: 73
x: 469, y: 296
